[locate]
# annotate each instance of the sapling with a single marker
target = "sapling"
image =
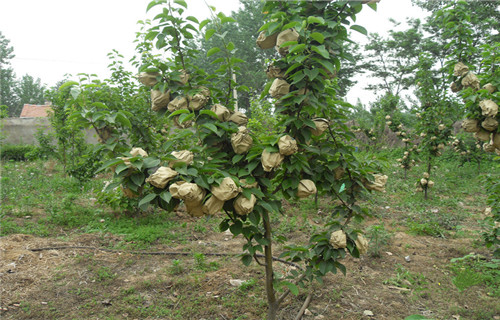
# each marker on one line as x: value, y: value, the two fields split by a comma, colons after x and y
x: 229, y: 170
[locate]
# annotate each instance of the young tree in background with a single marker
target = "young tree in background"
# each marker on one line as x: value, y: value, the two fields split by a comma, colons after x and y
x: 27, y: 90
x: 7, y: 76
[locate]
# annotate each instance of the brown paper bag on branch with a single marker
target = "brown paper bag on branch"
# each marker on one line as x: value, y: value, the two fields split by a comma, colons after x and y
x: 471, y: 125
x: 226, y: 190
x: 212, y: 206
x: 490, y: 124
x: 460, y: 70
x: 482, y: 135
x: 180, y: 102
x: 266, y: 42
x: 174, y: 189
x: 239, y: 118
x: 489, y: 108
x: 279, y: 88
x: 321, y: 126
x: 271, y: 160
x: 241, y: 141
x: 471, y: 81
x: 185, y: 156
x: 244, y: 206
x: 222, y: 112
x: 159, y: 99
x: 361, y: 244
x: 378, y: 184
x: 306, y: 188
x: 287, y: 145
x: 148, y: 78
x: 338, y: 239
x: 161, y: 177
x: 199, y: 100
x: 285, y: 36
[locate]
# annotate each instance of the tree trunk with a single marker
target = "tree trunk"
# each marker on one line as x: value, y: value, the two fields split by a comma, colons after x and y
x: 272, y: 303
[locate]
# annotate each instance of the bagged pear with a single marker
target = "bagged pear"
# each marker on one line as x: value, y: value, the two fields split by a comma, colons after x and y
x: 222, y: 112
x: 241, y: 141
x: 489, y: 108
x: 338, y: 239
x: 279, y: 88
x: 274, y: 72
x: 191, y: 193
x: 159, y: 99
x: 184, y: 125
x: 244, y: 206
x: 287, y: 145
x: 306, y: 188
x: 174, y: 189
x: 266, y: 42
x: 161, y: 177
x: 471, y: 81
x: 148, y: 78
x: 239, y: 118
x: 361, y: 244
x: 482, y: 135
x: 460, y: 70
x: 378, y: 184
x: 212, y: 206
x: 199, y: 100
x: 185, y: 156
x: 285, y: 36
x: 271, y: 160
x: 471, y: 125
x: 490, y: 124
x: 226, y: 190
x: 178, y: 103
x: 321, y: 126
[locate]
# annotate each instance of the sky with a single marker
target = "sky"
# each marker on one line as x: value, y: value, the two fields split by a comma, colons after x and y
x: 52, y: 38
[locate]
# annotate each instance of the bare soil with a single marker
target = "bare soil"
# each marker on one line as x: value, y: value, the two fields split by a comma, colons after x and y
x: 75, y: 283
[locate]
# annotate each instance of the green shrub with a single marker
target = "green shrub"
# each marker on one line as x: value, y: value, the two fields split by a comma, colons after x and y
x: 19, y: 152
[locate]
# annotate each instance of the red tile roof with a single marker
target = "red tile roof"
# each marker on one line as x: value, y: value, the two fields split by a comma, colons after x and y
x: 34, y: 111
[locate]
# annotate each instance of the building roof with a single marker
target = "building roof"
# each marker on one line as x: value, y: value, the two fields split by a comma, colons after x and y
x: 34, y: 111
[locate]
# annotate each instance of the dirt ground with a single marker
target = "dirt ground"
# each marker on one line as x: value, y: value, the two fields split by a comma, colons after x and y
x: 76, y: 283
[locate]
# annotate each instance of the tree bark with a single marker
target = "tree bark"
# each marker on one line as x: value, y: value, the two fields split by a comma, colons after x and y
x: 272, y: 303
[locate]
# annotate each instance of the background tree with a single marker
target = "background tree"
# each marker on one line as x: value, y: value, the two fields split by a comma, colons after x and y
x: 7, y: 75
x: 27, y: 91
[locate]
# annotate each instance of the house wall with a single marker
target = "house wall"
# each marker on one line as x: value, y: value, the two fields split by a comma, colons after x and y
x: 22, y: 130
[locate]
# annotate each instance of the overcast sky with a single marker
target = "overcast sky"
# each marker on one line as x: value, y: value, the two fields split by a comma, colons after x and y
x: 54, y: 37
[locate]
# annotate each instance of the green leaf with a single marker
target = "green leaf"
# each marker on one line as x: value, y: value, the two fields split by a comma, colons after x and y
x: 318, y: 37
x: 292, y: 24
x: 143, y: 204
x: 317, y: 20
x: 226, y: 20
x: 151, y: 162
x: 266, y: 90
x: 292, y: 287
x: 230, y: 46
x: 236, y: 228
x: 75, y: 92
x: 211, y: 127
x: 166, y: 196
x: 154, y: 3
x: 359, y: 29
x: 178, y: 112
x: 246, y: 259
x: 123, y: 120
x: 185, y: 117
x: 321, y: 50
x: 204, y: 23
x: 237, y: 158
x: 181, y: 2
x: 213, y: 51
x: 193, y: 19
x: 137, y: 178
x: 209, y: 33
x: 108, y: 164
x: 210, y: 113
x: 298, y: 48
x: 342, y: 188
